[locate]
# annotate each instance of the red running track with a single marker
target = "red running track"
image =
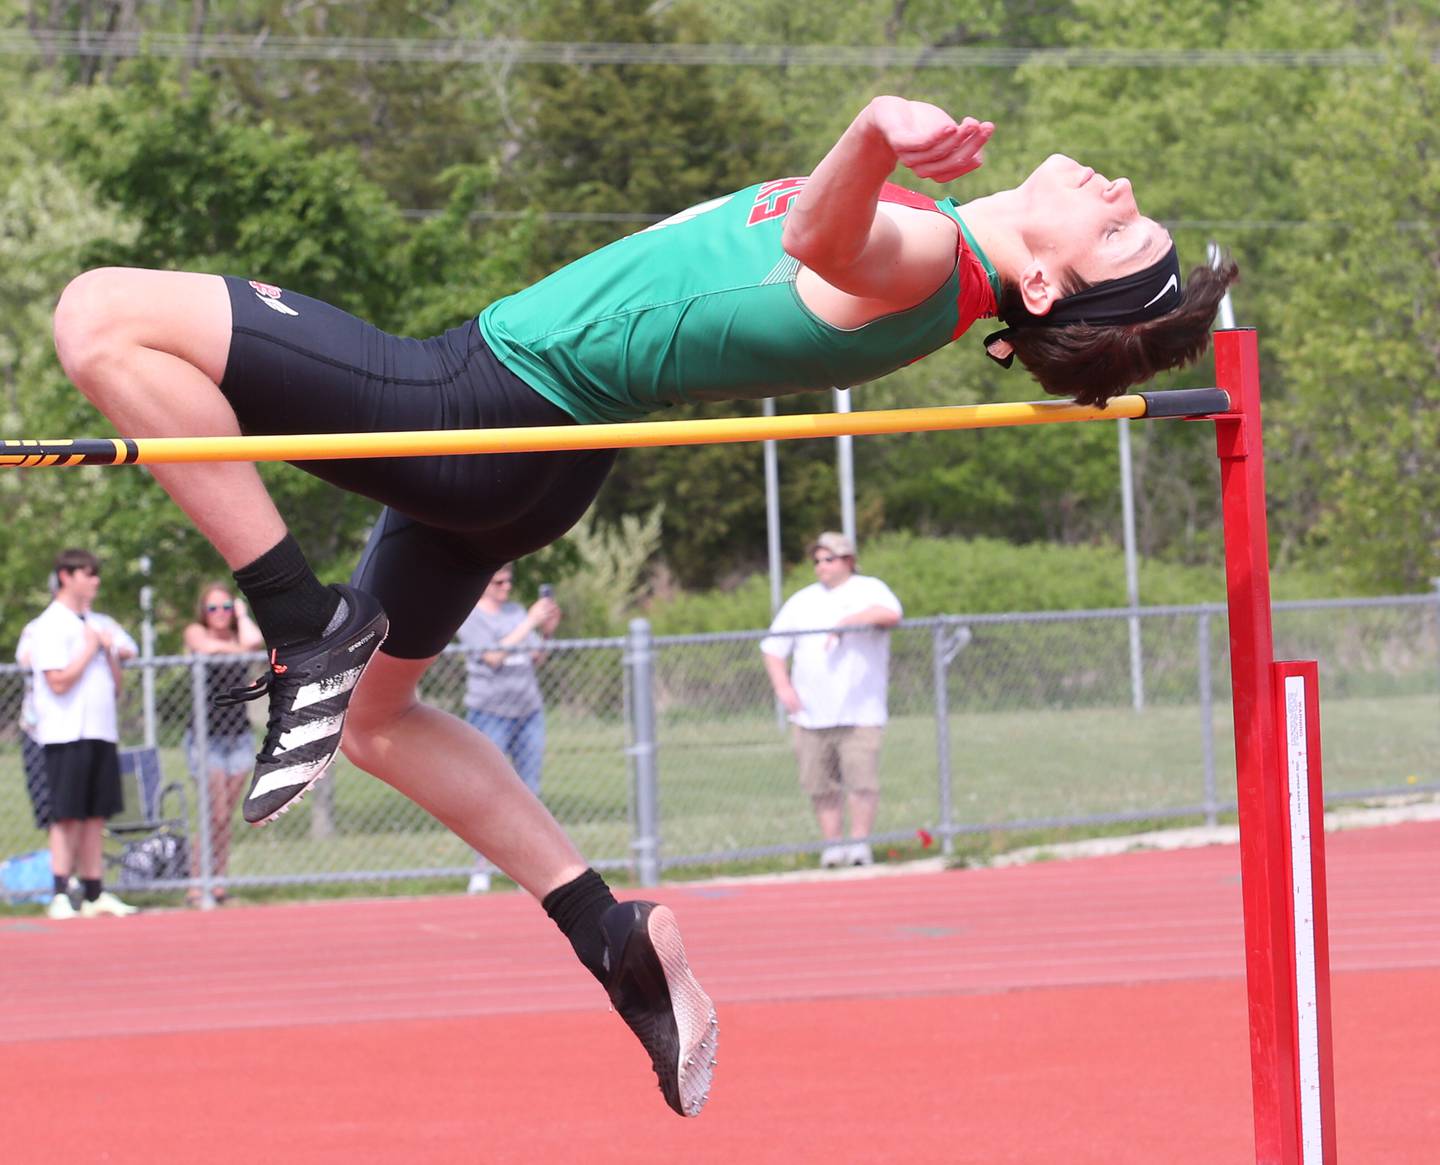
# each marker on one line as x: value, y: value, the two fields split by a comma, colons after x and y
x: 1076, y: 1012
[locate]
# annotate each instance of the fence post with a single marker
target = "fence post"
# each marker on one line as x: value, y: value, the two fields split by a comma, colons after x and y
x: 200, y: 750
x: 1207, y: 719
x: 639, y: 661
x: 946, y: 644
x: 1435, y: 582
x: 1132, y: 569
x: 939, y: 664
x: 322, y: 808
x: 147, y: 651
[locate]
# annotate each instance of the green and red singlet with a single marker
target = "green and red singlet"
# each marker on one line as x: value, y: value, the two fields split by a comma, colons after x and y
x: 703, y: 306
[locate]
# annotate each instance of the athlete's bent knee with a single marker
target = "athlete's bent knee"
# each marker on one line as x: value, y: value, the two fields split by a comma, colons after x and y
x: 86, y: 331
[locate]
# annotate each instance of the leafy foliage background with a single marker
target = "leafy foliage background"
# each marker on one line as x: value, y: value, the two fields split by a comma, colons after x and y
x: 415, y: 192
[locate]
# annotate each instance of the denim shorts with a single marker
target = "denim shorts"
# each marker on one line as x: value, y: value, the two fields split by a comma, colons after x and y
x: 224, y: 753
x: 521, y: 738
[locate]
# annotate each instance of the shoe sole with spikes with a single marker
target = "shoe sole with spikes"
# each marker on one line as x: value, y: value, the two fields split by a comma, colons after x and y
x: 652, y: 987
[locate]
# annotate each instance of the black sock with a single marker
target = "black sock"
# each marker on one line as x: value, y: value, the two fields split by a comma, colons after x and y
x: 91, y: 887
x: 288, y: 602
x: 576, y: 908
x: 62, y: 883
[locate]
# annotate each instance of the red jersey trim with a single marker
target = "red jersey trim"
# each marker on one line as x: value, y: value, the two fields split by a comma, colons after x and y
x: 975, y: 298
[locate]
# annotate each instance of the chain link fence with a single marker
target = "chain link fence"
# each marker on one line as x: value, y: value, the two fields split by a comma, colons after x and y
x: 670, y: 751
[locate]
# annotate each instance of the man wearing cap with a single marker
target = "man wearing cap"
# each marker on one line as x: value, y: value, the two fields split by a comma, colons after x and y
x: 828, y: 658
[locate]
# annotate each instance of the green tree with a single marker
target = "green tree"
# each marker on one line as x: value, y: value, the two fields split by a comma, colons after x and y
x: 628, y: 139
x: 1318, y: 178
x: 210, y: 191
x: 48, y: 222
x: 641, y: 140
x: 1212, y: 152
x: 451, y: 265
x: 215, y: 192
x: 408, y: 122
x: 1358, y: 434
x: 210, y: 194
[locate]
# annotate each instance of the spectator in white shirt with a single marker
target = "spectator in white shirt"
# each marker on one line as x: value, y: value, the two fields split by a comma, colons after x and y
x: 834, y: 689
x: 75, y: 655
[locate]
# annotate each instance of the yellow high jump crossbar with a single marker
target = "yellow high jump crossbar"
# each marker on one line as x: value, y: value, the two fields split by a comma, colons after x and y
x: 21, y: 454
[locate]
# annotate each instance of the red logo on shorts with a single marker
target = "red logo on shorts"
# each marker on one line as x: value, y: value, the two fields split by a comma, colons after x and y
x: 269, y: 295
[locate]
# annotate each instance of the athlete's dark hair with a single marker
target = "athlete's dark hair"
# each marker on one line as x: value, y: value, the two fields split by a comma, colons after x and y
x: 1093, y: 362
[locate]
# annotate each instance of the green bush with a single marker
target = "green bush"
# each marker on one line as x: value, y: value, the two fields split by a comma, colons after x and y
x: 950, y: 576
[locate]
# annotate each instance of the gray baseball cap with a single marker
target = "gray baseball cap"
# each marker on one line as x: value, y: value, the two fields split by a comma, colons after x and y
x: 836, y: 543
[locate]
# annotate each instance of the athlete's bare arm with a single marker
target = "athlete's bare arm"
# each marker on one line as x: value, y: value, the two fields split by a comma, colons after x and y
x: 886, y: 258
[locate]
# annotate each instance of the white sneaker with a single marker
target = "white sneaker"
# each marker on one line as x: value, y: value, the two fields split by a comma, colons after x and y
x: 107, y: 903
x: 60, y: 908
x: 834, y: 855
x: 479, y: 882
x: 858, y: 853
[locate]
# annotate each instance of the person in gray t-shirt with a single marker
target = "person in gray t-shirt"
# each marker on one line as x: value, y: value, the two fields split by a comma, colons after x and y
x: 503, y: 642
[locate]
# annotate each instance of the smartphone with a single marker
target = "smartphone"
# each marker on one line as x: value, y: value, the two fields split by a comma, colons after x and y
x: 547, y: 591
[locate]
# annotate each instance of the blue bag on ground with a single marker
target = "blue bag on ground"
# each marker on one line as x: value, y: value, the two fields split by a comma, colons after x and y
x: 27, y: 878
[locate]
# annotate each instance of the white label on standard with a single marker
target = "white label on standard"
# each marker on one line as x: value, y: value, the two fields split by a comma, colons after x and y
x: 1303, y: 897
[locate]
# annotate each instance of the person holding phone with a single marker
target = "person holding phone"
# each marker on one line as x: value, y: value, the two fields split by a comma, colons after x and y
x: 504, y: 641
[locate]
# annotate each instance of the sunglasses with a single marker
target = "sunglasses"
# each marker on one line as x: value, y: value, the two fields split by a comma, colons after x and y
x: 213, y: 607
x: 823, y: 558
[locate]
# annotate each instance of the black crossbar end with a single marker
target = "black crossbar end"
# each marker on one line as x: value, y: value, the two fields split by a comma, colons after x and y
x: 1186, y: 402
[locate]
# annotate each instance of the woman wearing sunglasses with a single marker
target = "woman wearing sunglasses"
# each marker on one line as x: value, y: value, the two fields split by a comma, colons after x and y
x: 222, y: 627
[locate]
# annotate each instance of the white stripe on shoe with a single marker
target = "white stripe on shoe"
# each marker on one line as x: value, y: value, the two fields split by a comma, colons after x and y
x: 326, y: 689
x: 287, y: 778
x: 308, y: 733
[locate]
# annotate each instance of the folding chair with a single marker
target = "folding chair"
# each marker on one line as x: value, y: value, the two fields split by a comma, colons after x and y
x: 151, y: 831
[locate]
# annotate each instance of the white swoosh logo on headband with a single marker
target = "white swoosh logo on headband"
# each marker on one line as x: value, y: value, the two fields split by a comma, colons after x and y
x: 1170, y: 285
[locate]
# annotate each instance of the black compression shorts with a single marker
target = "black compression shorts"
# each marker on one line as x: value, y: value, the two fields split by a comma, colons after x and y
x: 297, y: 365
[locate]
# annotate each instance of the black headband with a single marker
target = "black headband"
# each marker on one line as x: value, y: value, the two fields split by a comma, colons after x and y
x: 1131, y: 299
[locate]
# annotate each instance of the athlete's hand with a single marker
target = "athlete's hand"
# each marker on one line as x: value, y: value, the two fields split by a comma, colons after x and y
x: 927, y: 140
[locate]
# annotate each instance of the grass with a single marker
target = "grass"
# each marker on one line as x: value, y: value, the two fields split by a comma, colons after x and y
x: 728, y: 789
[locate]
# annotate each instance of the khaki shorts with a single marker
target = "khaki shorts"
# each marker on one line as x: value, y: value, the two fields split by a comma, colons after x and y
x: 832, y: 759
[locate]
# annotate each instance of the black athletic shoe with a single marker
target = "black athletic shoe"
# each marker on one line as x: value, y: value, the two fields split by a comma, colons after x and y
x: 309, y: 685
x: 651, y: 986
